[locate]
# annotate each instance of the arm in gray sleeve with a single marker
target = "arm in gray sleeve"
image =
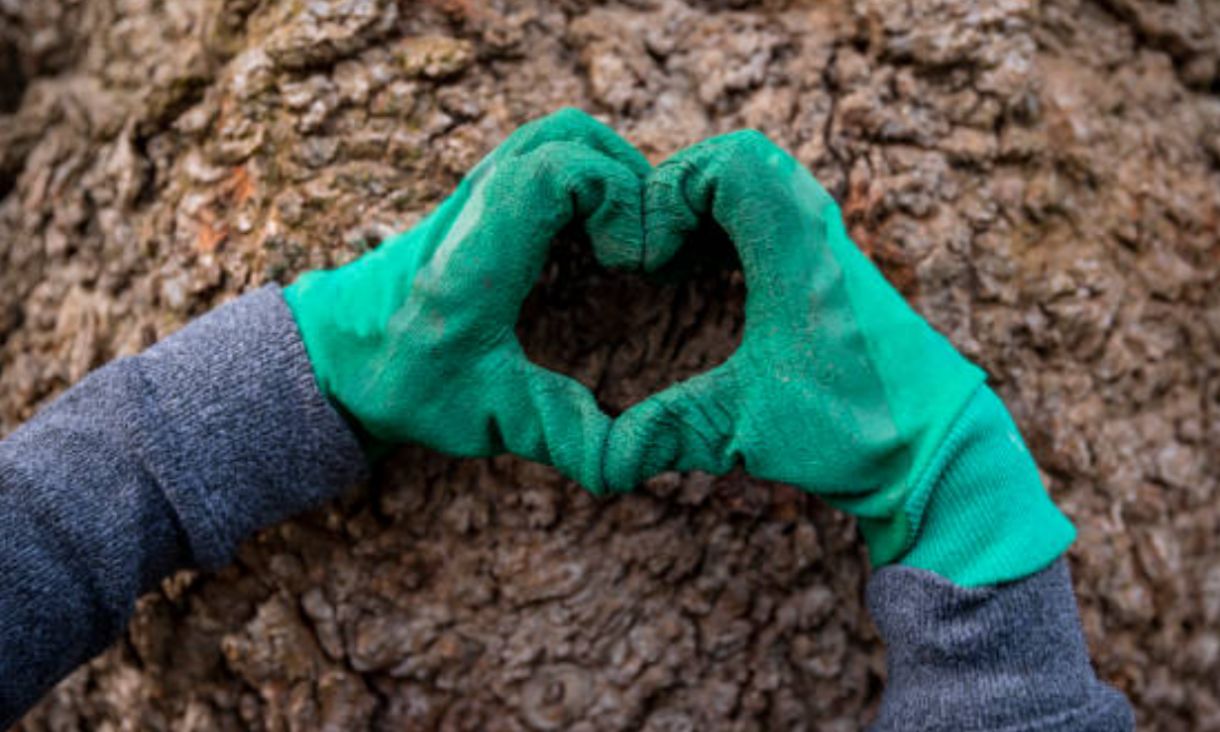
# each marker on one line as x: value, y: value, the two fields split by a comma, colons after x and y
x: 153, y: 463
x: 1008, y: 657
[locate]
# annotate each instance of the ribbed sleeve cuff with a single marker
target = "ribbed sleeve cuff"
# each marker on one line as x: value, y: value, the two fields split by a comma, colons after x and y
x: 1009, y: 657
x: 244, y: 437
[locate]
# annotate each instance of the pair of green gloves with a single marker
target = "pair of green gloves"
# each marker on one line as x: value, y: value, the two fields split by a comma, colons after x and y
x: 838, y: 388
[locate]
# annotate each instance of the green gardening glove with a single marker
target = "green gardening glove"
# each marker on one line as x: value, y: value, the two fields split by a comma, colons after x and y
x: 415, y: 340
x: 838, y: 387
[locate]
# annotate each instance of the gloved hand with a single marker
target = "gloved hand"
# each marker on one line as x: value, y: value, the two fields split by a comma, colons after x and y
x: 415, y: 340
x: 838, y: 387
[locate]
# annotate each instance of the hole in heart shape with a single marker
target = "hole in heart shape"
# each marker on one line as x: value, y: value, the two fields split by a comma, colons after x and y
x: 625, y: 335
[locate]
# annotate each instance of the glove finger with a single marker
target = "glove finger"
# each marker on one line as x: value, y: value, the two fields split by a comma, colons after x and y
x: 778, y: 217
x: 549, y: 418
x: 618, y: 243
x: 688, y: 426
x: 494, y: 248
x: 572, y: 125
x: 614, y: 249
x: 615, y: 226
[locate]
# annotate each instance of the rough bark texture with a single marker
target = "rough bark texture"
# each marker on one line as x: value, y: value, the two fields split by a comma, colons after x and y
x: 1043, y: 180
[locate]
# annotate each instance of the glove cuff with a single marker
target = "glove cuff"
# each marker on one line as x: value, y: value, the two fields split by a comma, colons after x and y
x: 978, y: 514
x: 302, y: 298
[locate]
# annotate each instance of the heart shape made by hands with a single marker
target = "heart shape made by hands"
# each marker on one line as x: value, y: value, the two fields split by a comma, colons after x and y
x: 838, y: 386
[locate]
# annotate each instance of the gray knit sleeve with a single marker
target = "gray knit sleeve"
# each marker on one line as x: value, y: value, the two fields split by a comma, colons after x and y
x: 1009, y: 657
x: 156, y: 462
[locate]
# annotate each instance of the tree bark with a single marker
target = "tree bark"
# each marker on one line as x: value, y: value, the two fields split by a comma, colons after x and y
x: 1042, y: 180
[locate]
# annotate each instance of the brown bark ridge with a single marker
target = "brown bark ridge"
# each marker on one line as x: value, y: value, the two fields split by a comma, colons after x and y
x: 1041, y: 179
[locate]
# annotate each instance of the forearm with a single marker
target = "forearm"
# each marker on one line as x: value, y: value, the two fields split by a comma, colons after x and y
x: 979, y: 615
x: 1005, y: 657
x: 154, y: 463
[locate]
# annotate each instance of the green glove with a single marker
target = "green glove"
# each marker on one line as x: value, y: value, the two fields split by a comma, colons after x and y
x: 838, y: 387
x: 415, y: 340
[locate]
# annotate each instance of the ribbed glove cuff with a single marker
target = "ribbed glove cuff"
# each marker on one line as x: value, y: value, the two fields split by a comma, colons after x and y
x: 979, y: 514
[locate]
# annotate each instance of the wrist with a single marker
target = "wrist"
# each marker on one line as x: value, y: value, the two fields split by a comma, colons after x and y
x: 978, y: 513
x: 305, y: 299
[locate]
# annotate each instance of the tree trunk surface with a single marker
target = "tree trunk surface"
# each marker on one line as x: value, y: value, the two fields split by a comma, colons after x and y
x: 1042, y: 180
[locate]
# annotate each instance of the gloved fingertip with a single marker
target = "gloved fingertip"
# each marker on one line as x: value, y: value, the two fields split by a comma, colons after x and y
x: 637, y: 448
x: 587, y: 129
x: 615, y: 227
x: 668, y: 216
x: 618, y: 248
